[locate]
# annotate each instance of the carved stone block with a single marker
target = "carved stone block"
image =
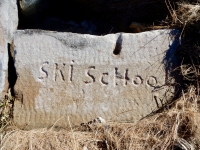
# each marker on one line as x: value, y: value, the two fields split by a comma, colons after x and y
x: 67, y: 78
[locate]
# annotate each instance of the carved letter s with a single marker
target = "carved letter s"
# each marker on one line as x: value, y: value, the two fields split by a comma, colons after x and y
x: 42, y: 70
x: 89, y: 75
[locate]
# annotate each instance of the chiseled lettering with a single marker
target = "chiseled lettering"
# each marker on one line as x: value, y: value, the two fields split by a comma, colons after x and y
x: 137, y: 80
x: 58, y: 73
x: 90, y: 75
x: 118, y: 76
x: 103, y: 79
x: 151, y: 81
x: 43, y: 71
x: 71, y: 73
x: 123, y: 79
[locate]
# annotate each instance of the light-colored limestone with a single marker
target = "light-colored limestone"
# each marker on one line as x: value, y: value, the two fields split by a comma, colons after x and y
x: 8, y: 24
x: 66, y: 76
x: 8, y: 18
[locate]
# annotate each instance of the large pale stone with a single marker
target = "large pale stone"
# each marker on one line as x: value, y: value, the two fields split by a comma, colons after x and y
x: 8, y: 24
x: 8, y: 18
x: 108, y: 16
x: 81, y: 77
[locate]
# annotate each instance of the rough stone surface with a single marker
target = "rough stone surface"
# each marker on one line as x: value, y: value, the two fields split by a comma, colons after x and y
x: 66, y: 76
x: 8, y: 18
x: 8, y: 24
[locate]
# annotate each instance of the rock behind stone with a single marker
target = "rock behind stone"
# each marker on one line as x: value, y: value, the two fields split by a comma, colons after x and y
x: 8, y: 25
x: 109, y: 16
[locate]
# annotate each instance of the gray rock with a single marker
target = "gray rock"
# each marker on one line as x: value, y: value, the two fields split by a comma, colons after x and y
x: 8, y: 25
x: 8, y: 18
x: 82, y: 77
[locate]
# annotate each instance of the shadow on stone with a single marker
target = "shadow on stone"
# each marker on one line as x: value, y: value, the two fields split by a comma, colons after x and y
x: 12, y: 75
x: 172, y: 64
x: 174, y: 80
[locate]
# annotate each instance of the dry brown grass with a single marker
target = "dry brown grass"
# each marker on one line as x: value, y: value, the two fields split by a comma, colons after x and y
x: 6, y: 109
x: 44, y: 139
x: 176, y: 126
x: 6, y: 113
x: 185, y: 14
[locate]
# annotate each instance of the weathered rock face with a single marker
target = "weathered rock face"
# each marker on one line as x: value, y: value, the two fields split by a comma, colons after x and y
x: 63, y: 75
x: 8, y: 18
x: 3, y: 64
x: 8, y: 24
